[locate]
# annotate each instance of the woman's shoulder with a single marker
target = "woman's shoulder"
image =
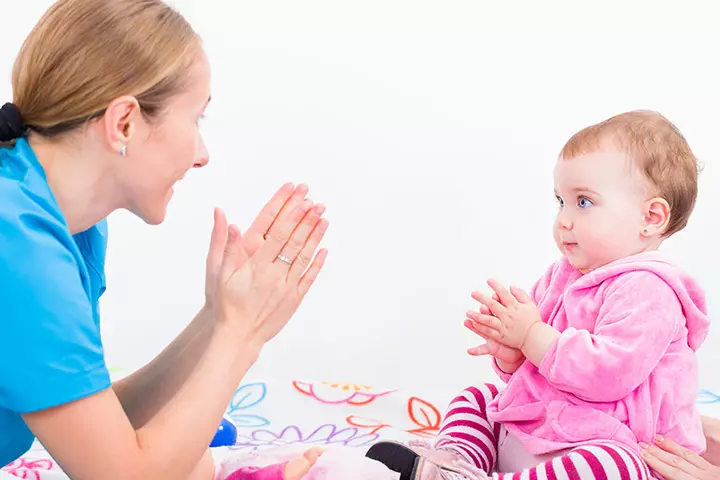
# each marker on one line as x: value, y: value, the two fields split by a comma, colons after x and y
x: 34, y: 238
x: 28, y: 219
x: 25, y: 196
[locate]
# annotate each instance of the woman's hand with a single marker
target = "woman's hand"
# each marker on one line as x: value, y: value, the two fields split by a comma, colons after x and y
x: 675, y: 462
x: 252, y: 239
x: 248, y: 285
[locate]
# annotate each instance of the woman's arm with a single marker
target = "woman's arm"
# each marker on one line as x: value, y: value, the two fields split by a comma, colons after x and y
x: 146, y: 391
x: 253, y: 299
x: 143, y: 393
x: 93, y: 438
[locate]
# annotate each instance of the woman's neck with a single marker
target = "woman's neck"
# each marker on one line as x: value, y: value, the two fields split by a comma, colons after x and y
x: 84, y: 190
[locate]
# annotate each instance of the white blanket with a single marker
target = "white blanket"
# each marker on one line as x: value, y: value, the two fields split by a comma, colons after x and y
x: 274, y: 413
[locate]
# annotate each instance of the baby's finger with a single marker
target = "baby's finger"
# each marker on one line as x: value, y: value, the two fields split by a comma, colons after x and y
x: 520, y: 295
x: 478, y: 351
x: 495, y: 307
x: 488, y: 333
x: 486, y: 320
x: 503, y: 294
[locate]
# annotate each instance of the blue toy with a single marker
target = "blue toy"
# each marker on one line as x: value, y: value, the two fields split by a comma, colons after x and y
x: 226, y: 434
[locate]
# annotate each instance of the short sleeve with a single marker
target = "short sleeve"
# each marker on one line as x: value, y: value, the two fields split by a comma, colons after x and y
x: 50, y: 346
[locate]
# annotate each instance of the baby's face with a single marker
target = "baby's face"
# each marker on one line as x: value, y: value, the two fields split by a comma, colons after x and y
x: 601, y: 197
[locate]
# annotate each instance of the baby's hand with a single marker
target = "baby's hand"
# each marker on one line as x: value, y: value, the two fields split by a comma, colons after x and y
x: 509, y: 359
x: 508, y: 316
x: 503, y: 353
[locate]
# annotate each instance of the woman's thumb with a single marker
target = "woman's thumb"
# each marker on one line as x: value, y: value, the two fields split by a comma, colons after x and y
x: 218, y: 240
x: 234, y: 254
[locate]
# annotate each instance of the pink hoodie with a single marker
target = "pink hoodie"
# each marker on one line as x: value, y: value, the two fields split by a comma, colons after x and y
x: 624, y: 366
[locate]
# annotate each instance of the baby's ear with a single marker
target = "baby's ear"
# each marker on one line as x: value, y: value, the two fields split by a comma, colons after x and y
x: 656, y: 217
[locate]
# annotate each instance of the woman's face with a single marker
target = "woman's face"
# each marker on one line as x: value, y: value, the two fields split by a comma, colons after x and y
x: 160, y: 154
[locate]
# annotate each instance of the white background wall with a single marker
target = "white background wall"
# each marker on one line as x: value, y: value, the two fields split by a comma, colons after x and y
x: 430, y: 129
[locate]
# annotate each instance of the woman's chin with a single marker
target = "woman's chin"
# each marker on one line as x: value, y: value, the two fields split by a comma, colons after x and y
x: 155, y: 213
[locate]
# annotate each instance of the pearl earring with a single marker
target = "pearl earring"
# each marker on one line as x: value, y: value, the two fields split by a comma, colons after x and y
x: 123, y: 151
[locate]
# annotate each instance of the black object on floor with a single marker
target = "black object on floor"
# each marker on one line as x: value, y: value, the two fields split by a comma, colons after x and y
x: 397, y: 457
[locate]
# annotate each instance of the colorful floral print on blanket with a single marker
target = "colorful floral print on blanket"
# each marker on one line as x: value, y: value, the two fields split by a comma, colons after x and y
x: 339, y: 393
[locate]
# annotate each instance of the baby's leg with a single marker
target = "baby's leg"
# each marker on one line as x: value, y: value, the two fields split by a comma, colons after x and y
x: 467, y: 442
x: 601, y: 461
x: 466, y: 429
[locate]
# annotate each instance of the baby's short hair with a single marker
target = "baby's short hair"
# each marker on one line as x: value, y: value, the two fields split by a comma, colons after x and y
x: 658, y: 149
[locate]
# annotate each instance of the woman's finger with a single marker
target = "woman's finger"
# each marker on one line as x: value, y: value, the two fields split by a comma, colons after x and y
x: 218, y: 239
x: 669, y: 445
x: 668, y: 463
x: 665, y: 467
x: 303, y: 257
x: 281, y: 232
x: 234, y: 253
x: 263, y: 222
x: 311, y: 274
x: 287, y: 208
x: 302, y: 244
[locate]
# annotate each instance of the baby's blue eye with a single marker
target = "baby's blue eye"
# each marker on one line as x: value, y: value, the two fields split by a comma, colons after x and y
x: 584, y: 202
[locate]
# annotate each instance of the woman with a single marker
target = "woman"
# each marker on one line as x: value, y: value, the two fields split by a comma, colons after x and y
x: 107, y: 96
x: 678, y: 463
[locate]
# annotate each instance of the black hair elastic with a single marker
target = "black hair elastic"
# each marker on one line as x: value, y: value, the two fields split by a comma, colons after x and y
x: 11, y: 123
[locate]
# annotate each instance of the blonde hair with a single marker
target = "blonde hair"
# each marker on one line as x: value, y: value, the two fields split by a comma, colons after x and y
x: 82, y: 54
x: 658, y: 149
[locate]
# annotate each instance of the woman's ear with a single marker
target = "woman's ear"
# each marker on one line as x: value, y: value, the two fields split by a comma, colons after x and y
x: 118, y: 122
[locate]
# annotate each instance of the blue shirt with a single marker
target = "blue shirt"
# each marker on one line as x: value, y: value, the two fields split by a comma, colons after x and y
x: 50, y: 283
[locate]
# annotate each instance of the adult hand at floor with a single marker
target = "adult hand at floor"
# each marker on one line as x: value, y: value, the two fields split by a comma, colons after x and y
x: 675, y: 462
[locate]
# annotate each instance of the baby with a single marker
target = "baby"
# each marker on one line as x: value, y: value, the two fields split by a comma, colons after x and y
x: 599, y: 358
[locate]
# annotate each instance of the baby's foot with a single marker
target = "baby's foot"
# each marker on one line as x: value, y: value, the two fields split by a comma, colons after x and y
x: 418, y: 463
x: 298, y: 468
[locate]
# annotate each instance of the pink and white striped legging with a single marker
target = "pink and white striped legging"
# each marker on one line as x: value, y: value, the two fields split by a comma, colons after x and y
x: 467, y: 431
